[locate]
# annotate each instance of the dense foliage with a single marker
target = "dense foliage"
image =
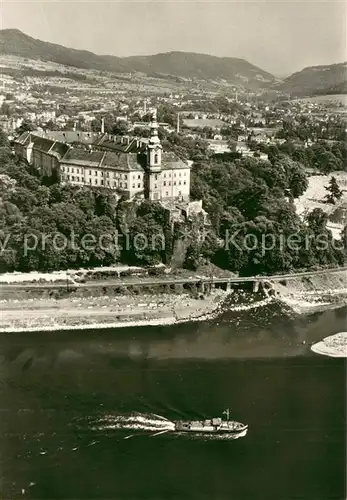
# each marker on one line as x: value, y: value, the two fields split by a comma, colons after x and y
x: 322, y: 156
x: 250, y: 203
x: 48, y: 226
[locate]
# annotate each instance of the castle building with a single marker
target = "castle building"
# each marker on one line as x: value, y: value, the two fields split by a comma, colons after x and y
x: 131, y: 166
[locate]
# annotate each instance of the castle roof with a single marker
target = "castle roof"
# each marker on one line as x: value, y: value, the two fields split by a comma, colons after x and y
x: 170, y: 161
x: 105, y: 159
x: 82, y: 157
x: 123, y: 161
x: 59, y: 149
x: 123, y: 144
x: 71, y: 136
x: 41, y: 143
x: 127, y: 154
x: 23, y: 139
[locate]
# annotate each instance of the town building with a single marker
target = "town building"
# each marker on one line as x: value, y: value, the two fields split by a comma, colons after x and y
x: 134, y: 167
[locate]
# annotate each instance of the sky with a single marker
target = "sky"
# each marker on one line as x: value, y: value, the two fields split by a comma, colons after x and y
x: 278, y: 36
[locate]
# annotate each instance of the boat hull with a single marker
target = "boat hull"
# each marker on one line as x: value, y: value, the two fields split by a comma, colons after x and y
x: 234, y: 428
x: 203, y: 431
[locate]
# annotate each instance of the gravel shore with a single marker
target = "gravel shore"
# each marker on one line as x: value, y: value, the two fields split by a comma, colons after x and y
x: 105, y: 311
x: 334, y: 346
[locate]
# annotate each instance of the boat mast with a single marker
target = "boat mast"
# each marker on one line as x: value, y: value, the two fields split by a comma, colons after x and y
x: 227, y: 413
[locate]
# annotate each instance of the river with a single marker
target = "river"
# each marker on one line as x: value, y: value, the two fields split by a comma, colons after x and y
x: 68, y: 400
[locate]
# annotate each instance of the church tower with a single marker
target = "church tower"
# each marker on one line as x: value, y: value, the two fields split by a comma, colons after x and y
x: 154, y: 152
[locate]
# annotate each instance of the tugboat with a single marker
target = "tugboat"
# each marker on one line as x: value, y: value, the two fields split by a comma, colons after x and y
x: 213, y: 426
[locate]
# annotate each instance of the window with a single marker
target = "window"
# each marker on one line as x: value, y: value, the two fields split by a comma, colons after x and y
x: 120, y: 184
x: 125, y: 176
x: 134, y: 177
x: 77, y: 171
x: 167, y: 193
x: 184, y: 173
x: 179, y: 192
x: 95, y: 173
x: 139, y: 176
x: 139, y: 185
x: 102, y: 182
x: 96, y: 181
x: 133, y: 186
x: 125, y: 185
x: 77, y: 179
x: 164, y: 183
x: 73, y: 177
x: 90, y: 172
x: 156, y: 177
x: 72, y: 170
x: 107, y: 174
x: 179, y: 182
x: 102, y: 174
x: 169, y: 183
x: 90, y: 181
x: 174, y: 183
x: 68, y: 177
x: 179, y: 174
x: 164, y: 175
x: 155, y: 186
x: 156, y: 158
x: 184, y: 182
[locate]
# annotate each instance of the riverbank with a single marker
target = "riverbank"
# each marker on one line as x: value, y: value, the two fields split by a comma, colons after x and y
x: 317, y: 292
x: 106, y: 311
x: 28, y: 310
x: 334, y: 346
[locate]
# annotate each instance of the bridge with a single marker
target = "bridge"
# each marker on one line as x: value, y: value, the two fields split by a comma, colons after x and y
x: 202, y: 283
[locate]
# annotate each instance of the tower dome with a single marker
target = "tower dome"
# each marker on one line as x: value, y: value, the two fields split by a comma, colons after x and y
x: 154, y: 147
x: 154, y: 139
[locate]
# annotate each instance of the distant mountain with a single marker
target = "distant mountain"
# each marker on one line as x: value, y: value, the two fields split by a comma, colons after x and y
x: 182, y: 64
x: 327, y: 79
x: 204, y: 67
x: 14, y: 42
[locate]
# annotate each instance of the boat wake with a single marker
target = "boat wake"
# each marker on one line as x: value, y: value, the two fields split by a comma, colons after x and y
x: 153, y: 425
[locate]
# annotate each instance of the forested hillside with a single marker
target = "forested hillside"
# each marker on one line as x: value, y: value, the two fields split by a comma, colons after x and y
x: 249, y: 202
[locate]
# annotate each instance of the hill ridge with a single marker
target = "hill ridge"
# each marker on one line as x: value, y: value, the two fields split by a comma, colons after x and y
x: 190, y: 65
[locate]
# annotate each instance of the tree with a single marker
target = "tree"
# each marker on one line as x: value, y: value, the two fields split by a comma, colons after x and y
x: 334, y: 191
x: 120, y: 128
x: 317, y: 220
x: 192, y: 259
x: 27, y: 126
x: 327, y: 162
x: 4, y: 142
x: 6, y: 109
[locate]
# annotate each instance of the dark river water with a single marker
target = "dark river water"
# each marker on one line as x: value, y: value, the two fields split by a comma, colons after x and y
x: 68, y: 400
